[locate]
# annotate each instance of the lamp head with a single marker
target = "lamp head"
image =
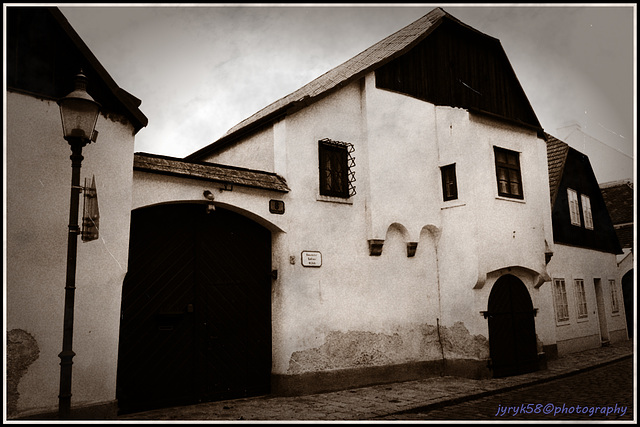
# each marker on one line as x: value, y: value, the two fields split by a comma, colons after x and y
x: 79, y: 112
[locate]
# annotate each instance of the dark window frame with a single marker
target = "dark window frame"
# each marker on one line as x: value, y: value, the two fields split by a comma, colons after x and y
x: 334, y: 167
x: 508, y: 173
x: 449, y: 182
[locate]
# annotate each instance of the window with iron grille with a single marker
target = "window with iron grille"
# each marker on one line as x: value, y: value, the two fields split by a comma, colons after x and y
x: 336, y: 164
x: 449, y: 183
x: 615, y: 307
x: 560, y: 300
x: 508, y: 173
x: 581, y: 299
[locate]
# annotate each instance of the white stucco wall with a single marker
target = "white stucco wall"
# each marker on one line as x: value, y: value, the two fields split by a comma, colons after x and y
x: 38, y: 191
x: 570, y: 263
x: 361, y: 310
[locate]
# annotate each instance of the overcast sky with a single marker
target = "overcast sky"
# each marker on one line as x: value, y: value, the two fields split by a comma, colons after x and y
x: 201, y: 70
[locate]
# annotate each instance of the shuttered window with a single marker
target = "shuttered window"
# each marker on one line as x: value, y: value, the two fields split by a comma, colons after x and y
x: 574, y: 207
x: 586, y: 212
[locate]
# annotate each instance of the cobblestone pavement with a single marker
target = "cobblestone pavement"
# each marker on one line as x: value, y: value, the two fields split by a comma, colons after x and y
x: 386, y: 400
x: 583, y: 396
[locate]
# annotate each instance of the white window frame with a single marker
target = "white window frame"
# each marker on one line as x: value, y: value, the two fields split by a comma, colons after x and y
x: 581, y: 299
x: 560, y: 301
x: 615, y: 304
x: 586, y: 211
x: 574, y: 207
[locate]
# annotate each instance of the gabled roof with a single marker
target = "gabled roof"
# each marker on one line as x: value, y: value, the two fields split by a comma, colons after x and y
x: 375, y: 56
x: 129, y: 102
x: 618, y: 196
x: 209, y: 171
x: 556, y: 157
x: 45, y: 52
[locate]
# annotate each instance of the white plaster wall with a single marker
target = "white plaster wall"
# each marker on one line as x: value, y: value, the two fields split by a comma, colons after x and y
x: 255, y: 152
x: 38, y: 191
x: 571, y: 263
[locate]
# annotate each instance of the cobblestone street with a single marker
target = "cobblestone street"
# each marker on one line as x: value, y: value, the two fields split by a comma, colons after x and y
x: 610, y: 386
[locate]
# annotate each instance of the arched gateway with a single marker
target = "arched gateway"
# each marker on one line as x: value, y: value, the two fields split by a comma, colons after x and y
x: 196, y: 308
x: 512, y: 329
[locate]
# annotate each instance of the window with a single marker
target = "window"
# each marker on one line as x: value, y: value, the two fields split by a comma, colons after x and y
x: 574, y: 207
x: 581, y: 299
x: 586, y: 212
x: 449, y: 184
x: 336, y: 168
x: 508, y: 173
x: 560, y: 300
x: 615, y: 307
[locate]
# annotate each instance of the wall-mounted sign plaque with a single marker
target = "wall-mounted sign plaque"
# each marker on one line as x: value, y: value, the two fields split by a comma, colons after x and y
x: 276, y: 207
x: 311, y: 259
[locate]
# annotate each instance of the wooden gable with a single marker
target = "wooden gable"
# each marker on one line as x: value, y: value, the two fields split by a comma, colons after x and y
x: 44, y: 54
x: 460, y: 67
x: 574, y: 171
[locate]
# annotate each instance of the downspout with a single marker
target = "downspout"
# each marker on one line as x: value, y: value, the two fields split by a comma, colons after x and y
x: 435, y: 246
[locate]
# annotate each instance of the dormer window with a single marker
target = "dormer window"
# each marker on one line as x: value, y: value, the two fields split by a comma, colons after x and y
x: 508, y: 173
x: 578, y: 205
x: 574, y: 207
x: 586, y: 212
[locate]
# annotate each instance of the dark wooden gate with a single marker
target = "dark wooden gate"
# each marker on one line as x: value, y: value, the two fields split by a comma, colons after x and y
x: 512, y: 330
x: 196, y: 308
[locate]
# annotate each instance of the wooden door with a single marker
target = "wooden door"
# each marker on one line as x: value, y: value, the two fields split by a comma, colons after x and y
x: 512, y: 333
x: 196, y: 309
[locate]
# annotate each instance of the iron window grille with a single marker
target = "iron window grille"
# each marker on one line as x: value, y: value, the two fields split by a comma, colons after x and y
x: 336, y: 165
x: 508, y: 173
x: 449, y: 182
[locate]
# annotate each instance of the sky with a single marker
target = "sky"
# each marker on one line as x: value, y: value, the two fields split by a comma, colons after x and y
x: 201, y: 70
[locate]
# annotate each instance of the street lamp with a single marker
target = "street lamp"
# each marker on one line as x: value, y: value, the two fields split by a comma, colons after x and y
x: 79, y: 114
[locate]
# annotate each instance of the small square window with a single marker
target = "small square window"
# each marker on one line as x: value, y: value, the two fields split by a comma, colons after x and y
x: 449, y: 183
x: 508, y: 173
x: 335, y: 166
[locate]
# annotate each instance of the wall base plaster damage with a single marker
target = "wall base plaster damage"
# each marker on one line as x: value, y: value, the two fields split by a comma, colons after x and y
x: 22, y: 351
x: 357, y: 349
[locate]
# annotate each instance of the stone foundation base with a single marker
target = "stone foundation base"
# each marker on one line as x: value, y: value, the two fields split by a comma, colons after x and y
x: 99, y: 411
x: 342, y: 379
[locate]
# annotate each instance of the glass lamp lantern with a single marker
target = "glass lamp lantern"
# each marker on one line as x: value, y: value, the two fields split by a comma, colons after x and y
x: 79, y: 112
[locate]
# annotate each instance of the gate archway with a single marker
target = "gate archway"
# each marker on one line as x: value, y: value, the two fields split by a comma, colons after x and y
x: 196, y: 308
x: 512, y: 332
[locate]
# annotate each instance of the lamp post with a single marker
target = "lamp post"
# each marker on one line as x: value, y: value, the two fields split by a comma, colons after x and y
x: 79, y: 114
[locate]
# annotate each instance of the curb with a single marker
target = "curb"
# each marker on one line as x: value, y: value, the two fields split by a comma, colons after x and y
x: 474, y: 396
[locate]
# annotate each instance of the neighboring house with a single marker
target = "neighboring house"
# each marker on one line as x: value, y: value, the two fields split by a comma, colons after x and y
x: 586, y: 291
x: 575, y: 136
x: 43, y: 56
x: 388, y: 221
x: 618, y: 196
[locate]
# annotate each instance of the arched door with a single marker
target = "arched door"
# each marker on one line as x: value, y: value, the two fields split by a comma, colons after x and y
x: 512, y: 331
x: 196, y: 308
